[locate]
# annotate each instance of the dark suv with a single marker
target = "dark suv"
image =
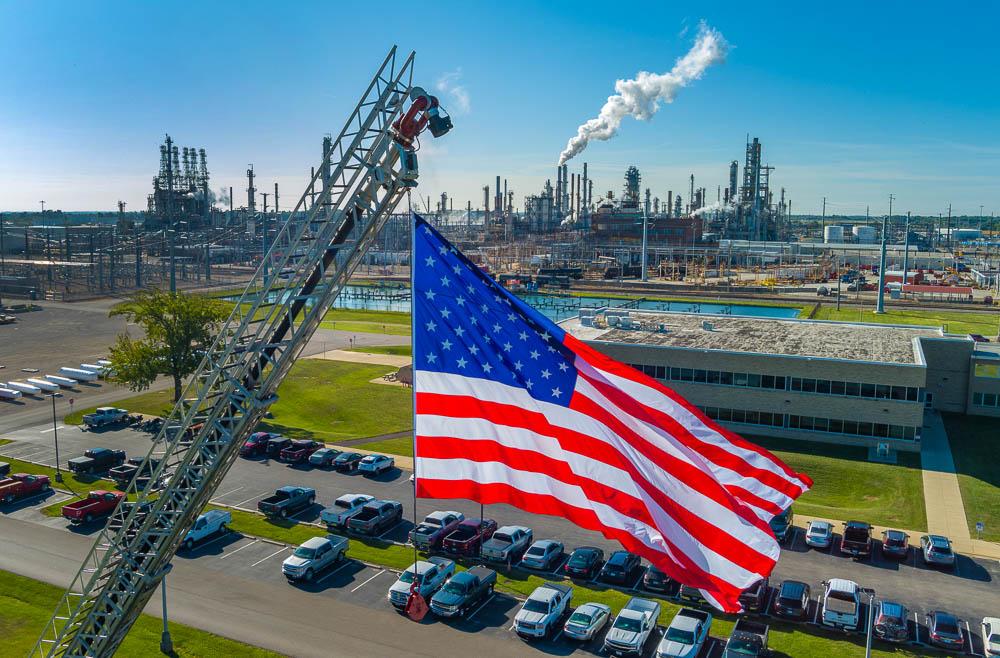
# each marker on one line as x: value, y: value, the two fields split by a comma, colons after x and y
x: 584, y: 563
x: 754, y: 598
x: 895, y: 543
x: 620, y: 568
x: 781, y: 525
x: 890, y: 621
x: 275, y: 445
x: 792, y: 601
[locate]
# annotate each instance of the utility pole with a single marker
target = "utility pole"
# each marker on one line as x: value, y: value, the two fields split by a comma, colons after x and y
x: 173, y: 262
x: 880, y: 306
x: 906, y: 247
x: 839, y: 278
x: 823, y: 230
x: 645, y: 226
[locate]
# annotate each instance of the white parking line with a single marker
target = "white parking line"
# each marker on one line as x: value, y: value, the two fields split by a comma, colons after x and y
x: 816, y: 614
x: 368, y: 581
x: 21, y: 449
x: 766, y: 612
x: 239, y: 549
x: 249, y: 499
x: 227, y: 493
x: 57, y: 427
x: 916, y: 627
x: 394, y: 526
x: 28, y: 455
x: 562, y: 563
x: 280, y: 550
x: 481, y: 606
x: 968, y: 634
x: 209, y: 543
x: 635, y: 585
x: 345, y: 564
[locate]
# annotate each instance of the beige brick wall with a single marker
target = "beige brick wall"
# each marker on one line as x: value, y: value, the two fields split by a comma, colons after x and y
x: 982, y: 385
x: 948, y: 361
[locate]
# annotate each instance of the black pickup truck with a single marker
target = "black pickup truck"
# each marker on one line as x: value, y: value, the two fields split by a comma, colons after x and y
x: 748, y: 639
x: 287, y: 500
x: 463, y: 591
x: 123, y: 474
x: 96, y: 461
x: 857, y: 539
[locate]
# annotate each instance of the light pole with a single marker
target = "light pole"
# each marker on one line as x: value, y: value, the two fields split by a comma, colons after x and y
x: 880, y: 305
x: 55, y: 436
x: 166, y: 642
x: 871, y: 614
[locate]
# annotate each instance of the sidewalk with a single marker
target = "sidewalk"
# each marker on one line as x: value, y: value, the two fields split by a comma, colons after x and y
x: 363, y: 357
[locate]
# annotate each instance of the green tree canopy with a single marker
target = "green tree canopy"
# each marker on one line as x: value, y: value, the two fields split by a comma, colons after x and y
x: 177, y: 327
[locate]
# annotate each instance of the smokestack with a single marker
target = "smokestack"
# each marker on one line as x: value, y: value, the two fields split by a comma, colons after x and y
x: 275, y: 199
x: 691, y: 195
x: 230, y: 200
x: 586, y: 202
x: 498, y: 201
x: 565, y: 199
x: 558, y: 188
x: 670, y: 203
x: 572, y: 194
x: 251, y: 190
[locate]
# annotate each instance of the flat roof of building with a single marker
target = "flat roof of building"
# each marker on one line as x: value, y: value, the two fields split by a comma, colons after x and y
x: 806, y: 338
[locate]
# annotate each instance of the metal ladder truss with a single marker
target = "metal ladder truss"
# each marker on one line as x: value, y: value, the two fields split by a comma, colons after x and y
x: 312, y: 257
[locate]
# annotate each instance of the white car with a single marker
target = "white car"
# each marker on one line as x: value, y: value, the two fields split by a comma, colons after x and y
x: 376, y: 464
x: 991, y: 635
x: 819, y: 534
x: 587, y: 621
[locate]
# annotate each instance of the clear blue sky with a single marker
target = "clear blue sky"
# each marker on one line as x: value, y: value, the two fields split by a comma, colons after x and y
x: 852, y: 101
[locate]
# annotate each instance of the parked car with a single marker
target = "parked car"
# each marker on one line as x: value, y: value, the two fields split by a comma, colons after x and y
x: 819, y: 534
x: 104, y: 416
x: 620, y: 568
x: 944, y: 631
x: 856, y: 539
x: 632, y: 627
x: 256, y: 444
x: 313, y: 556
x: 748, y: 640
x: 584, y: 563
x: 507, y: 544
x: 122, y: 475
x: 299, y: 451
x: 22, y: 485
x: 542, y: 610
x: 891, y: 621
x: 991, y: 635
x: 468, y: 536
x: 214, y: 521
x: 841, y: 604
x: 96, y: 505
x: 338, y: 514
x: 792, y: 600
x: 347, y: 462
x: 323, y: 458
x: 376, y: 464
x: 936, y: 550
x: 655, y: 580
x: 430, y: 532
x: 463, y: 591
x: 542, y: 554
x: 781, y: 525
x: 691, y: 594
x: 287, y: 501
x: 587, y: 621
x: 275, y: 444
x: 375, y: 517
x: 754, y: 598
x: 686, y: 634
x: 895, y: 543
x: 429, y: 576
x: 96, y: 461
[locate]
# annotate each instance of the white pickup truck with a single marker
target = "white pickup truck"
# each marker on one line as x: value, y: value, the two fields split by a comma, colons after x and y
x: 211, y: 522
x: 337, y: 515
x: 104, y: 416
x: 686, y: 634
x: 430, y: 575
x: 632, y: 628
x: 542, y: 611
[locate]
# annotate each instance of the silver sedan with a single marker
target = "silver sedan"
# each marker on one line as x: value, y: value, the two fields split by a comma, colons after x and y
x: 587, y: 621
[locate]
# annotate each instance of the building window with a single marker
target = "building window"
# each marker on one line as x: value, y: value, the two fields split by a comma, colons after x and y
x: 868, y: 390
x: 823, y: 386
x: 977, y: 399
x: 852, y: 389
x: 989, y: 399
x: 700, y: 376
x: 838, y: 388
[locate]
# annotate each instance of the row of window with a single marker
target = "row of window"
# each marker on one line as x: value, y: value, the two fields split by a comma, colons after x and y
x: 986, y: 399
x: 783, y: 383
x: 812, y: 424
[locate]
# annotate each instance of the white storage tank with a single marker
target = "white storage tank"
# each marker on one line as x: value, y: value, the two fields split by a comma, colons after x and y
x: 865, y: 234
x: 833, y: 234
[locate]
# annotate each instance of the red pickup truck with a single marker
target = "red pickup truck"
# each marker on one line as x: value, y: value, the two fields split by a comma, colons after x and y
x: 21, y: 485
x: 468, y: 536
x: 96, y: 505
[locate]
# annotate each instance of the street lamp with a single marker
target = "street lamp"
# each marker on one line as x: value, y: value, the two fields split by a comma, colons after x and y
x: 55, y: 436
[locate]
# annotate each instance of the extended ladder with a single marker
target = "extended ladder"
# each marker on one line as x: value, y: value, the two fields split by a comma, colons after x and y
x: 312, y: 258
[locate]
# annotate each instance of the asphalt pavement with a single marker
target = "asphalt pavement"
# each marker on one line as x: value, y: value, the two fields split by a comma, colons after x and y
x: 968, y: 591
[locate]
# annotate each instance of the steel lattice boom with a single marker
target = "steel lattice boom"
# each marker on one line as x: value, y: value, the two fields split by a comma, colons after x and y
x: 314, y: 253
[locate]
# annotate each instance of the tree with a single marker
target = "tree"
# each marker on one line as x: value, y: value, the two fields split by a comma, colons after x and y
x: 178, y: 327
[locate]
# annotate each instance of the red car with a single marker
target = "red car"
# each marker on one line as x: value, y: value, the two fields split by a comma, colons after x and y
x: 96, y: 505
x: 21, y: 485
x: 468, y: 537
x: 299, y: 451
x: 255, y: 445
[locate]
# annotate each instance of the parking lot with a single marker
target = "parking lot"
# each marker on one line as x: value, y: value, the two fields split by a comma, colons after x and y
x: 969, y: 591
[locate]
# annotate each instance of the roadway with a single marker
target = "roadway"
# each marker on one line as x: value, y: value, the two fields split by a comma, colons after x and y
x: 969, y: 591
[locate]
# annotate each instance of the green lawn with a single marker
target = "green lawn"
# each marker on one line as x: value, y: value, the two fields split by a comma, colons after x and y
x: 335, y: 401
x: 399, y: 446
x: 974, y: 441
x: 956, y: 322
x: 848, y: 487
x: 151, y: 403
x: 392, y: 323
x: 393, y: 350
x: 354, y: 326
x: 26, y: 604
x: 76, y: 484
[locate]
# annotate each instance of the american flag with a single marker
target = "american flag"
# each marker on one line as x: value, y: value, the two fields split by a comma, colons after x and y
x: 512, y: 409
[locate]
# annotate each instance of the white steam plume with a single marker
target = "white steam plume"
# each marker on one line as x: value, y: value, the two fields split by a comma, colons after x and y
x: 641, y: 96
x: 713, y: 207
x: 457, y: 95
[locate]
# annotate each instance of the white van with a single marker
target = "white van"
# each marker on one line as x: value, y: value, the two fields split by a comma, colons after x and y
x: 841, y: 604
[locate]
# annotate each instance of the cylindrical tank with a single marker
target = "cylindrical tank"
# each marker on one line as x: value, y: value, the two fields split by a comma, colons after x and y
x: 865, y: 234
x: 833, y: 234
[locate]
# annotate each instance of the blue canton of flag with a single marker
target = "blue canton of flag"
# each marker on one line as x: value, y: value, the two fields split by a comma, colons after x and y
x: 467, y: 324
